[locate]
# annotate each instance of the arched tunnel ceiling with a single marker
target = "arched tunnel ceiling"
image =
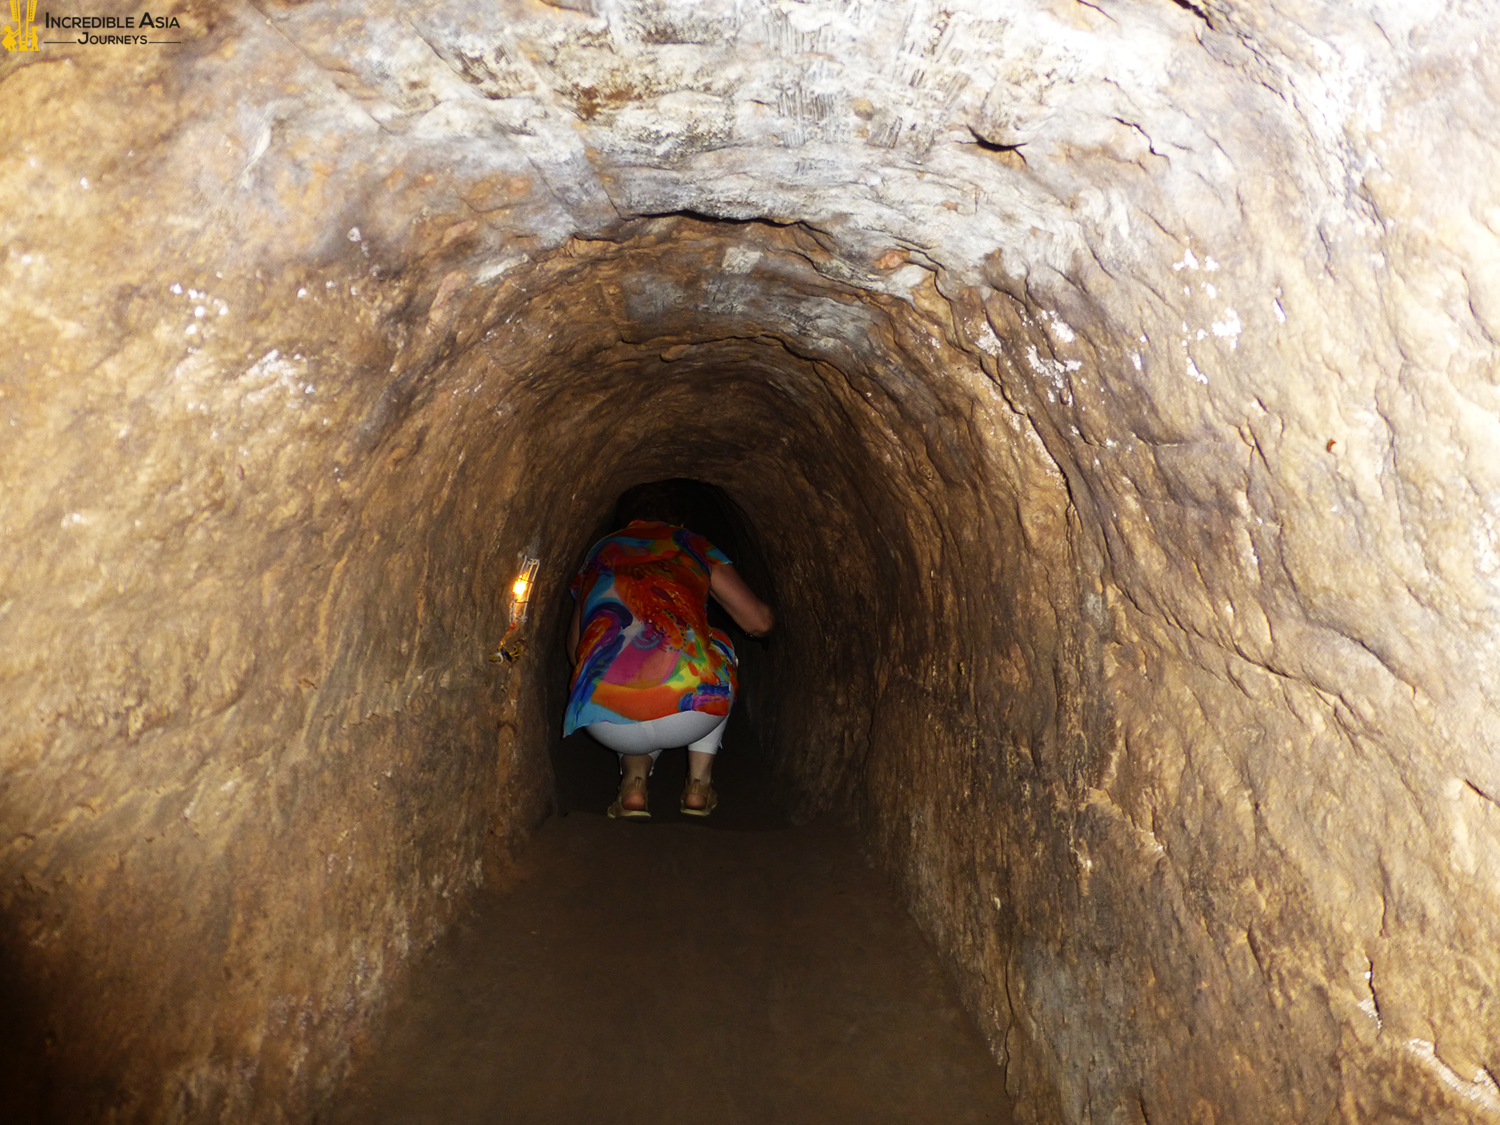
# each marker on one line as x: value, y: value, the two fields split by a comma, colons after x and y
x: 1134, y: 362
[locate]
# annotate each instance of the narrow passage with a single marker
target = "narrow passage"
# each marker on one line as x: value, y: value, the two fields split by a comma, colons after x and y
x: 721, y: 972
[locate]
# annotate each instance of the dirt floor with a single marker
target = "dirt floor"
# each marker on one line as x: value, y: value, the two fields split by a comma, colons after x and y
x: 736, y: 970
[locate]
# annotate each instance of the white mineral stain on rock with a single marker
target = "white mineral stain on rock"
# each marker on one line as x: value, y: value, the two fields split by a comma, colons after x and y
x: 986, y: 340
x: 1480, y: 1090
x: 1228, y: 328
x: 740, y: 259
x: 1060, y: 329
x: 490, y: 271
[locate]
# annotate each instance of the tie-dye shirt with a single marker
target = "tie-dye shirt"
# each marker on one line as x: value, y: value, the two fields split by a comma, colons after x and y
x: 646, y: 649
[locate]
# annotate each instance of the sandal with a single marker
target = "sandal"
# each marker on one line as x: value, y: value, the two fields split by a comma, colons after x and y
x: 698, y: 789
x: 618, y: 811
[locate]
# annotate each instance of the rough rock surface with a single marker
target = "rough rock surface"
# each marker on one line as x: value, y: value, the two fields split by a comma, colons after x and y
x: 1112, y: 387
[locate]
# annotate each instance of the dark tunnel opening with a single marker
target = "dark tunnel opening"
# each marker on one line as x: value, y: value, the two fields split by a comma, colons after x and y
x: 812, y: 432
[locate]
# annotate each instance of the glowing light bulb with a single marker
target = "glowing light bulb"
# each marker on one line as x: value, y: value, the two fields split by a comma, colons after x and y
x: 512, y: 646
x: 520, y: 589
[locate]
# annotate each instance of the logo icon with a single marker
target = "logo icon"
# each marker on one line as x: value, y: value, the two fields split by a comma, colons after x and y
x: 21, y: 37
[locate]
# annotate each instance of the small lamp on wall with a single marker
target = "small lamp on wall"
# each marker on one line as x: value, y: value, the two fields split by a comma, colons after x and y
x: 521, y: 589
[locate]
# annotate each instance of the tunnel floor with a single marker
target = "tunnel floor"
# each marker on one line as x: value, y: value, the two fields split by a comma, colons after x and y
x: 737, y: 970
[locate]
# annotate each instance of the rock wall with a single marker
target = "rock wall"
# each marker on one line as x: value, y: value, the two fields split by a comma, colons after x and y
x: 1111, y: 388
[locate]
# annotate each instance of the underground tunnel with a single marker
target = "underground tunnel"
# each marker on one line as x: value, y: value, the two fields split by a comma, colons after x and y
x: 1110, y: 392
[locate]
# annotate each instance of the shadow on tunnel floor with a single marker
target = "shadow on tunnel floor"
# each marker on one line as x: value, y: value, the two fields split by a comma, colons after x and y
x: 23, y: 1064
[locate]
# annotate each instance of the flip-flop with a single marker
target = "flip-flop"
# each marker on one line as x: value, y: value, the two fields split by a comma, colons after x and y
x: 618, y: 811
x: 703, y: 788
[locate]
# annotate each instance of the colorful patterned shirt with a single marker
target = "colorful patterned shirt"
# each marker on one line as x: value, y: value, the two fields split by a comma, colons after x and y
x: 646, y: 649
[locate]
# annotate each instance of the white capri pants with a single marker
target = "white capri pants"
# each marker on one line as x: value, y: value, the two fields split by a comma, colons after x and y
x: 698, y: 732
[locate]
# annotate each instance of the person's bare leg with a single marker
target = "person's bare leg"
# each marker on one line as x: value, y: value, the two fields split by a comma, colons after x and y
x: 700, y: 768
x: 634, y: 766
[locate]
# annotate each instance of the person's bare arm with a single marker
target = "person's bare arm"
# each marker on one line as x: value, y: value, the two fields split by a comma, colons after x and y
x: 573, y: 632
x: 749, y: 612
